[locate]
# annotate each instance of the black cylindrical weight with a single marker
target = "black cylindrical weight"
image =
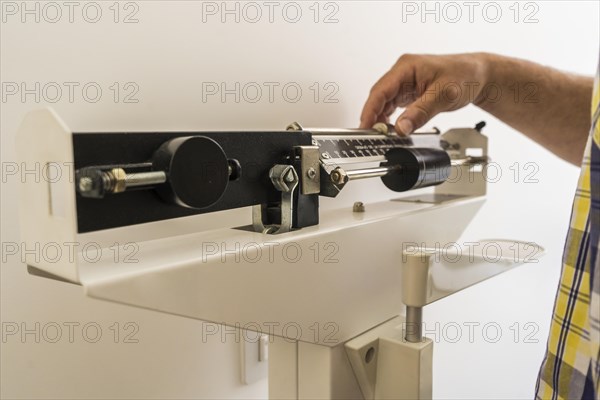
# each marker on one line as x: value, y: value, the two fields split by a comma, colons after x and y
x: 419, y: 167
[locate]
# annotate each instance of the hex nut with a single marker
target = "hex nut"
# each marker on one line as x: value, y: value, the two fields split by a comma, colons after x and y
x: 339, y: 176
x: 119, y: 180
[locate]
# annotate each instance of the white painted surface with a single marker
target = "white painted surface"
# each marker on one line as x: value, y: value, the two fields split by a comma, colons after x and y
x: 168, y: 54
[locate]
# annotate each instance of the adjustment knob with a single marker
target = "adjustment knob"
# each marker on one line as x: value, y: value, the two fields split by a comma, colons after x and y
x: 196, y: 168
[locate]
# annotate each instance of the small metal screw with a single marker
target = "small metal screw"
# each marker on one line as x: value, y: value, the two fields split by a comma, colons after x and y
x: 358, y: 207
x: 85, y: 184
x: 325, y: 155
x: 311, y: 173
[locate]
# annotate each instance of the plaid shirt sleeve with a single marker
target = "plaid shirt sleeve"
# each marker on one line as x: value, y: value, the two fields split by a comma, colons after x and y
x: 571, y: 368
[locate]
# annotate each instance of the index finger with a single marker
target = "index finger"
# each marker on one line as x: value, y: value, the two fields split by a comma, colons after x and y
x: 385, y: 90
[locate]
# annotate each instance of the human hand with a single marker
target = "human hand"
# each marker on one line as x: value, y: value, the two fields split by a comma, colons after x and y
x: 425, y: 85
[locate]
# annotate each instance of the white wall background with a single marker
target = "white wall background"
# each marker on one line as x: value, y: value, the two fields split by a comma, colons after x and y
x: 168, y: 54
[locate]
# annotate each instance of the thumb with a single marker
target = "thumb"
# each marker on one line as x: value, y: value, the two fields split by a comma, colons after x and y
x: 418, y: 113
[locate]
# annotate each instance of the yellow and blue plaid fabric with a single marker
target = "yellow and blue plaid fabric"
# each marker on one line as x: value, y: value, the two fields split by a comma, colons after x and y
x: 571, y: 368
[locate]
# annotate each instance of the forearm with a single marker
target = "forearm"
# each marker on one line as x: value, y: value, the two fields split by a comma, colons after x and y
x: 549, y: 106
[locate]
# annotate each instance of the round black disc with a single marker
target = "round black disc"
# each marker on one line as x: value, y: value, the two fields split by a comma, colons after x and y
x: 196, y: 168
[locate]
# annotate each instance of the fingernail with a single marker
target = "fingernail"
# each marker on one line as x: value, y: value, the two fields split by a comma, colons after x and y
x: 405, y: 126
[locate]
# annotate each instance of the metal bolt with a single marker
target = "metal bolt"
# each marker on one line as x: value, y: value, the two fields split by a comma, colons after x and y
x: 311, y: 173
x: 289, y: 176
x: 284, y: 177
x: 358, y: 207
x: 96, y: 182
x: 325, y: 155
x: 335, y: 176
x: 338, y: 176
x: 85, y: 184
